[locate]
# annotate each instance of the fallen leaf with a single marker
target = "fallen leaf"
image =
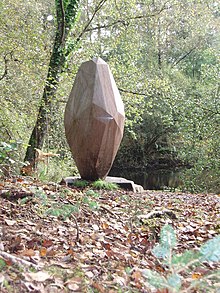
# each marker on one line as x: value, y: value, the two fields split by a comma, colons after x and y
x: 39, y: 276
x: 10, y: 222
x: 2, y: 278
x: 196, y: 276
x: 47, y: 243
x: 43, y: 251
x: 137, y: 275
x: 73, y: 286
x: 89, y: 274
x: 99, y: 287
x: 28, y: 252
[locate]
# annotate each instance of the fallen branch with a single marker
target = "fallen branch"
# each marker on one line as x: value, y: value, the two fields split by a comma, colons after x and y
x: 158, y: 214
x: 16, y: 260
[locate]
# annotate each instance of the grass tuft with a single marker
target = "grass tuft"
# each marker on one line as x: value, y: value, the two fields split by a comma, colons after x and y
x: 101, y: 184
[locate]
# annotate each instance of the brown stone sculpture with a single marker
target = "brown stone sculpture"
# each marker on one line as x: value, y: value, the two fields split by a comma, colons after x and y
x: 94, y: 119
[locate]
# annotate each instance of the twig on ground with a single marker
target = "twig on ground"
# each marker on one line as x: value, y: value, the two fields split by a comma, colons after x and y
x: 77, y: 228
x: 106, y: 209
x: 74, y: 218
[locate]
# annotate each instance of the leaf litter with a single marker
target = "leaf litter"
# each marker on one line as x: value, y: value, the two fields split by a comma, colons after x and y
x: 55, y: 238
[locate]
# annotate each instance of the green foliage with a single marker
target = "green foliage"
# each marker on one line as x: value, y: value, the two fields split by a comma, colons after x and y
x: 92, y: 193
x: 62, y: 210
x: 25, y: 47
x: 9, y: 157
x: 184, y: 263
x: 167, y: 243
x: 2, y: 264
x: 102, y: 184
x: 40, y: 196
x: 52, y: 206
x: 5, y: 150
x: 57, y: 168
x: 210, y: 251
x: 93, y: 205
x: 80, y: 183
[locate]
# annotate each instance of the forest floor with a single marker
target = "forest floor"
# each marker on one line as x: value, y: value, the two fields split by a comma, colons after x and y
x: 55, y: 238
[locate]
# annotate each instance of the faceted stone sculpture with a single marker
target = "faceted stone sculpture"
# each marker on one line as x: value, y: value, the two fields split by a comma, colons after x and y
x: 94, y: 119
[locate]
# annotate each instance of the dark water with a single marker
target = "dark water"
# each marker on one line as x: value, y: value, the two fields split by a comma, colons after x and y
x: 154, y: 180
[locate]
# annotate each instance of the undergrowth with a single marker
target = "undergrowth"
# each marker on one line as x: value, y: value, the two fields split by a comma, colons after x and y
x: 185, y: 264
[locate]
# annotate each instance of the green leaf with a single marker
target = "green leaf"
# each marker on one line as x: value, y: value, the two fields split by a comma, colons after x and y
x: 210, y: 251
x: 93, y: 205
x: 168, y: 237
x: 155, y: 279
x: 2, y: 264
x: 175, y: 281
x: 161, y: 251
x: 92, y: 193
x: 54, y: 212
x: 186, y: 258
x: 24, y: 200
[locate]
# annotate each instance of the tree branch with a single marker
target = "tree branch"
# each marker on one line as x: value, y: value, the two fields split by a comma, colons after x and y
x: 183, y: 57
x: 97, y: 8
x: 62, y: 22
x: 6, y: 60
x: 121, y: 21
x: 132, y: 92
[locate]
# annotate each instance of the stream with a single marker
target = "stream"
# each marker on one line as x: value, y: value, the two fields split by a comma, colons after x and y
x: 153, y: 180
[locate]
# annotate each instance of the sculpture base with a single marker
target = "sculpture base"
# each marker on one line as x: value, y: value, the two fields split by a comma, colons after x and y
x: 121, y: 182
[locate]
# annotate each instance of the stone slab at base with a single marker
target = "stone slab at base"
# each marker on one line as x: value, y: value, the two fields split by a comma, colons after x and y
x: 125, y: 183
x: 121, y: 182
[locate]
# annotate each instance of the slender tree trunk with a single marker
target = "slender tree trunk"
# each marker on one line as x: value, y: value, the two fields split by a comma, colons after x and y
x: 43, y: 118
x: 65, y: 20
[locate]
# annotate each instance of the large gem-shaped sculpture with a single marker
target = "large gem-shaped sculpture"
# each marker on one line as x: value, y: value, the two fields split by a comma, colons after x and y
x: 94, y: 119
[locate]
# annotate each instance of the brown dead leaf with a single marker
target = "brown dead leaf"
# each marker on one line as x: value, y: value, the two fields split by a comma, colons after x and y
x: 71, y: 252
x: 105, y: 226
x: 2, y: 278
x: 99, y: 287
x: 43, y: 251
x: 73, y: 286
x: 47, y: 243
x: 74, y: 283
x: 51, y: 253
x: 28, y: 252
x: 106, y: 245
x: 15, y: 244
x: 137, y: 275
x: 196, y: 276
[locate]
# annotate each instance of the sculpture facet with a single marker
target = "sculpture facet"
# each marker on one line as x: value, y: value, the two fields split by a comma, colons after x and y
x: 94, y: 119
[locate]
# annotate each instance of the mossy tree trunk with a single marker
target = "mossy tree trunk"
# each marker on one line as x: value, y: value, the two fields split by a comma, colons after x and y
x: 66, y: 12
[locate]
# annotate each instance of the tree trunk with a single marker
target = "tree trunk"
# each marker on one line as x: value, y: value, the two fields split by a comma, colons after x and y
x: 40, y: 129
x: 65, y: 19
